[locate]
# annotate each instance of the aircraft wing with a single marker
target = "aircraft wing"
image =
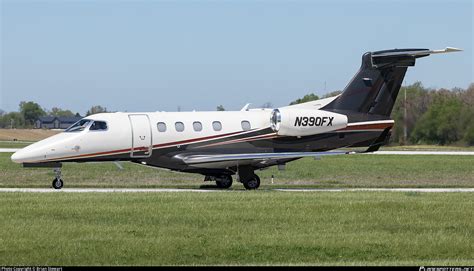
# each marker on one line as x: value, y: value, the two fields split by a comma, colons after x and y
x: 257, y: 157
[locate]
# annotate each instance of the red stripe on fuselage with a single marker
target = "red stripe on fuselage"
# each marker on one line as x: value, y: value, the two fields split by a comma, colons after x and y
x: 254, y: 138
x: 143, y: 148
x: 376, y: 126
x: 195, y: 139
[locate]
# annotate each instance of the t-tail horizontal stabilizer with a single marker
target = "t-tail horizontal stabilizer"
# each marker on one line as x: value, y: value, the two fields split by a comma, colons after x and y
x: 374, y: 89
x: 404, y: 57
x: 414, y: 52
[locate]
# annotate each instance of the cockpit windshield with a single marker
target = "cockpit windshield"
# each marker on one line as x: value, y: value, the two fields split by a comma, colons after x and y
x: 79, y: 126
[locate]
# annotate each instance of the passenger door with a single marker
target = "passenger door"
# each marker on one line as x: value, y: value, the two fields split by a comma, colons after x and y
x: 142, y: 145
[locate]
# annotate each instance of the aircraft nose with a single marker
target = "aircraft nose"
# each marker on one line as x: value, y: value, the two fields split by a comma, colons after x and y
x: 29, y: 154
x: 18, y: 156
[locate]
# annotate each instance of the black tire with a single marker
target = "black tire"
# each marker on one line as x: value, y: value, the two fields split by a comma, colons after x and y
x: 253, y: 183
x: 224, y: 181
x: 57, y: 183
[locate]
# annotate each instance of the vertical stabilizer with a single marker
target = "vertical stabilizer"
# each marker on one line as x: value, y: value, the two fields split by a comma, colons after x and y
x: 375, y: 87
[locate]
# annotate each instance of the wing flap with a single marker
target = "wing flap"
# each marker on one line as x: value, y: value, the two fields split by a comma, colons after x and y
x: 213, y: 158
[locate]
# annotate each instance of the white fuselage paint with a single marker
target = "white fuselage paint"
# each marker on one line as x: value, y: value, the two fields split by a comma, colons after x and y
x: 136, y: 135
x: 118, y: 137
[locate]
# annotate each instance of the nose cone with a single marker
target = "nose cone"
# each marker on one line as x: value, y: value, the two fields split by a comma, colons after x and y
x: 30, y: 154
x: 20, y: 156
x: 53, y: 147
x: 33, y: 153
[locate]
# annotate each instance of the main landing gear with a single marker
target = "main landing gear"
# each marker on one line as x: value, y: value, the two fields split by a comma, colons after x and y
x: 57, y: 182
x: 248, y: 178
x: 252, y: 183
x: 223, y: 181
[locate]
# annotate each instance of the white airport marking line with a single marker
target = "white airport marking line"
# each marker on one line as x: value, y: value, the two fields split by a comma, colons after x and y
x: 174, y: 190
x: 425, y: 152
x: 423, y: 190
x: 106, y: 190
x: 8, y: 150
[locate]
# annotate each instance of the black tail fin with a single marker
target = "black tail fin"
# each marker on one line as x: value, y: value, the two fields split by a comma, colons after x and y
x: 375, y: 87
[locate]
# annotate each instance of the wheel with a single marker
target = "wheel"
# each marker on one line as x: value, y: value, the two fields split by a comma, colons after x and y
x: 57, y: 183
x: 224, y: 181
x: 252, y: 183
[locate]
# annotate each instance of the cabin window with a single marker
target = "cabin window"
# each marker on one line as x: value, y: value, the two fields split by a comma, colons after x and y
x: 79, y: 126
x: 216, y: 125
x: 161, y: 127
x: 197, y: 126
x: 98, y: 126
x: 179, y: 126
x: 245, y: 125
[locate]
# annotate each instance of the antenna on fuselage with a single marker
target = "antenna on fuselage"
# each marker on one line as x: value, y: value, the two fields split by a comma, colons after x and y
x: 246, y: 107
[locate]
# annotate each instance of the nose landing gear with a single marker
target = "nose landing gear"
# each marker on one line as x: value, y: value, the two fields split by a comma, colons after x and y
x: 57, y: 182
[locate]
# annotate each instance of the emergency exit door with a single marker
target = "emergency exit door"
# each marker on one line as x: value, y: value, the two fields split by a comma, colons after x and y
x: 142, y: 144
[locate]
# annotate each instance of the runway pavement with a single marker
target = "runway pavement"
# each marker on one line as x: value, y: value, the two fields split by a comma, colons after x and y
x: 176, y: 190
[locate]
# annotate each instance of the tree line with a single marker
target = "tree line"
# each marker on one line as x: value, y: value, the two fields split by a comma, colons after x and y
x: 30, y: 111
x: 434, y: 116
x: 428, y: 116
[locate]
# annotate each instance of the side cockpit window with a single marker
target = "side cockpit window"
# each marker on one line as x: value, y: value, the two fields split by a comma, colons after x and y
x: 98, y: 126
x: 79, y: 126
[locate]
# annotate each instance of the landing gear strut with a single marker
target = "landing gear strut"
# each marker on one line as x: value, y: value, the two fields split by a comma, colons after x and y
x: 248, y: 178
x: 57, y: 182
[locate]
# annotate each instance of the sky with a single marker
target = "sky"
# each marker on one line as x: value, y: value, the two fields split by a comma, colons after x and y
x: 160, y: 55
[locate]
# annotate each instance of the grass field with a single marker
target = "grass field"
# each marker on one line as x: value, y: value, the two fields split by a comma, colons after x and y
x: 237, y: 228
x: 329, y: 172
x: 25, y: 134
x: 14, y: 144
x: 427, y: 148
x: 244, y: 227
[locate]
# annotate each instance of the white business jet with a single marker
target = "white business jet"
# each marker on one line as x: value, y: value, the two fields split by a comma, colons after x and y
x: 219, y: 145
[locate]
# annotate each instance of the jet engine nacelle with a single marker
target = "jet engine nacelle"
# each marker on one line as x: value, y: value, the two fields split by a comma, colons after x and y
x: 303, y: 122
